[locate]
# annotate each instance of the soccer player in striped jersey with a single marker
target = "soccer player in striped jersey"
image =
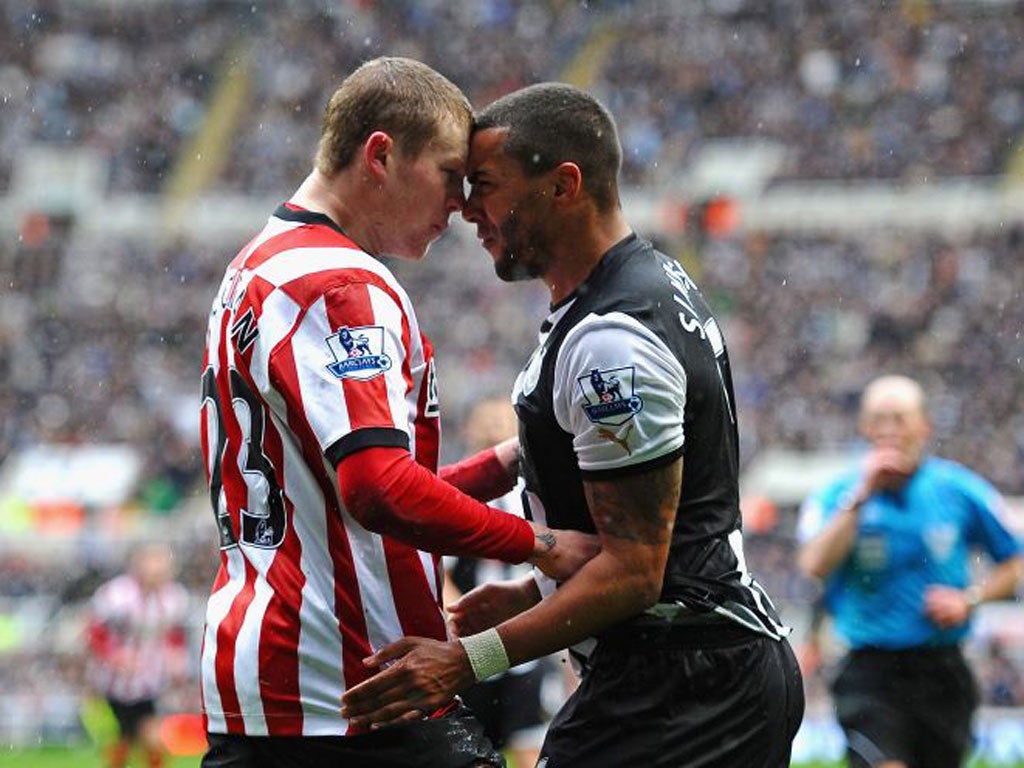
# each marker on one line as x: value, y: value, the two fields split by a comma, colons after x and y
x: 320, y: 431
x: 136, y: 637
x: 627, y: 428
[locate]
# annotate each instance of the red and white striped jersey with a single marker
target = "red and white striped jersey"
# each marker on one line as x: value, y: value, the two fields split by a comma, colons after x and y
x: 135, y: 638
x: 313, y: 352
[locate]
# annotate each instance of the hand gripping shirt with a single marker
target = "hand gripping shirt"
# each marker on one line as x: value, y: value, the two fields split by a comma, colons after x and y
x: 631, y: 373
x: 921, y: 535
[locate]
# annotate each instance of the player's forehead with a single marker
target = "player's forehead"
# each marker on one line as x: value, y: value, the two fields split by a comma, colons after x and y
x: 450, y: 140
x: 487, y: 153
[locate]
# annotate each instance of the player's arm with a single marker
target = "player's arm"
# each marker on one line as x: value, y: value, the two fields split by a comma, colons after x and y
x: 361, y: 424
x: 389, y: 493
x: 486, y: 475
x: 634, y: 517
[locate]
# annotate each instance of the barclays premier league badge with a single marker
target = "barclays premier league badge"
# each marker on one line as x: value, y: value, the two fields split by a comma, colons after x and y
x: 610, y: 396
x: 358, y: 352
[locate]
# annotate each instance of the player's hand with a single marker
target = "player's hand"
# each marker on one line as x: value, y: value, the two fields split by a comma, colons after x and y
x: 507, y: 452
x: 490, y: 604
x: 559, y: 554
x: 422, y: 675
x: 886, y: 469
x: 946, y: 607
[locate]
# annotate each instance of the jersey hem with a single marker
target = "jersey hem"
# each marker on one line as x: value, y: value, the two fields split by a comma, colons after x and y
x: 632, y: 469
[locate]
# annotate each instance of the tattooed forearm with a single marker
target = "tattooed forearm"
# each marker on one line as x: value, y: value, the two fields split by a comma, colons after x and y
x: 639, y: 508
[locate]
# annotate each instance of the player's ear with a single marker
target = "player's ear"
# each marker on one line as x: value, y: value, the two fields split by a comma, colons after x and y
x: 377, y: 152
x: 568, y: 182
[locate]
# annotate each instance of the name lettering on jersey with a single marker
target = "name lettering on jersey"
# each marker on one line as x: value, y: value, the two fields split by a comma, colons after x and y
x: 690, y: 320
x: 244, y: 331
x: 432, y: 408
x: 610, y: 396
x: 358, y: 352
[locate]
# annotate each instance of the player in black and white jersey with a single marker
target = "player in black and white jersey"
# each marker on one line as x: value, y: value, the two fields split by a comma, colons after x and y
x: 627, y: 429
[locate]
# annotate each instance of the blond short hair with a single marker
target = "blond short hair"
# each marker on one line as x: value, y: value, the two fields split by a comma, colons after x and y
x: 404, y: 98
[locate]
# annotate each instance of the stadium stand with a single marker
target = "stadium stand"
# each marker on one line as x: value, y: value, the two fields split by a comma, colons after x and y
x: 870, y: 153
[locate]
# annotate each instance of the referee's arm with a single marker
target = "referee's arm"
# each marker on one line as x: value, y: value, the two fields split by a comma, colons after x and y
x: 821, y: 555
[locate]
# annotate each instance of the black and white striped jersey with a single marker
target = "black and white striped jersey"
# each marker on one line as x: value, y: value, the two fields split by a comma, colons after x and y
x: 631, y: 372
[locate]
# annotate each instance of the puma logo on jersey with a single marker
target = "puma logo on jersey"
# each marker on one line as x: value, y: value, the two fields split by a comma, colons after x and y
x: 622, y: 442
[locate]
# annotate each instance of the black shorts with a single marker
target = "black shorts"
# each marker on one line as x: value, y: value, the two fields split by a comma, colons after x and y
x: 131, y: 714
x: 912, y: 705
x: 453, y: 741
x: 720, y: 697
x: 508, y: 705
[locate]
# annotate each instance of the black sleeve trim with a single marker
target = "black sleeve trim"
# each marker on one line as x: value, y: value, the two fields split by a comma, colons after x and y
x: 632, y: 469
x: 368, y: 437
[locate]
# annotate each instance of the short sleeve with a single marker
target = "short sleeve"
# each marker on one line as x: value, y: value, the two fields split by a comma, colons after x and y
x: 347, y: 363
x: 620, y: 392
x: 811, y: 519
x: 818, y: 509
x: 989, y: 529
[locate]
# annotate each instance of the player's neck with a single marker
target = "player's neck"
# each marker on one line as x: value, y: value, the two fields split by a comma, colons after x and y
x: 580, y: 248
x: 336, y: 199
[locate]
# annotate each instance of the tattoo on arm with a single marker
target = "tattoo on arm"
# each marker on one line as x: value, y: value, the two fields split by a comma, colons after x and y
x: 547, y: 538
x: 640, y: 508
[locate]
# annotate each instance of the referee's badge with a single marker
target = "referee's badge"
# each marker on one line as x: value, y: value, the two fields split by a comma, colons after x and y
x: 609, y: 394
x: 358, y: 352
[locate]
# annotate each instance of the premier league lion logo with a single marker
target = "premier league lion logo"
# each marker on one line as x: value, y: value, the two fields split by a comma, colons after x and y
x: 605, y: 401
x: 358, y: 352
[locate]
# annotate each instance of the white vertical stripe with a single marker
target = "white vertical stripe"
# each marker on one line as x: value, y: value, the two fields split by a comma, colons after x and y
x: 323, y: 397
x: 401, y: 400
x: 382, y: 625
x: 278, y: 314
x: 216, y: 610
x: 247, y: 649
x: 429, y: 571
x: 319, y: 645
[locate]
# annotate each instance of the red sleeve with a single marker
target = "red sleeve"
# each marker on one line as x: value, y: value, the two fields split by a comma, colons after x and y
x: 389, y: 493
x: 481, y: 476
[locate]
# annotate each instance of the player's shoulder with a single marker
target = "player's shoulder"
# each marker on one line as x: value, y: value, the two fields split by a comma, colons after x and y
x: 599, y: 325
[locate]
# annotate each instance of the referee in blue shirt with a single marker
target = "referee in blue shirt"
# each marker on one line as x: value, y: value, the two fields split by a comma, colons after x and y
x: 893, y: 542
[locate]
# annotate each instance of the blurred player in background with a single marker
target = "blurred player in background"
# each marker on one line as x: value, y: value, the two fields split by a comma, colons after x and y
x: 321, y: 434
x: 508, y: 705
x: 893, y: 541
x: 627, y: 428
x: 136, y: 636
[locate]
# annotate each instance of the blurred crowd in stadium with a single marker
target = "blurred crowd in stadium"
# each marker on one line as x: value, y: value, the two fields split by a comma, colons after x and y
x: 100, y: 340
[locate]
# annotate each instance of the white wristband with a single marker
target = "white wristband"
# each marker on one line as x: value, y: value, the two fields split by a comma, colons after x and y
x: 486, y: 653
